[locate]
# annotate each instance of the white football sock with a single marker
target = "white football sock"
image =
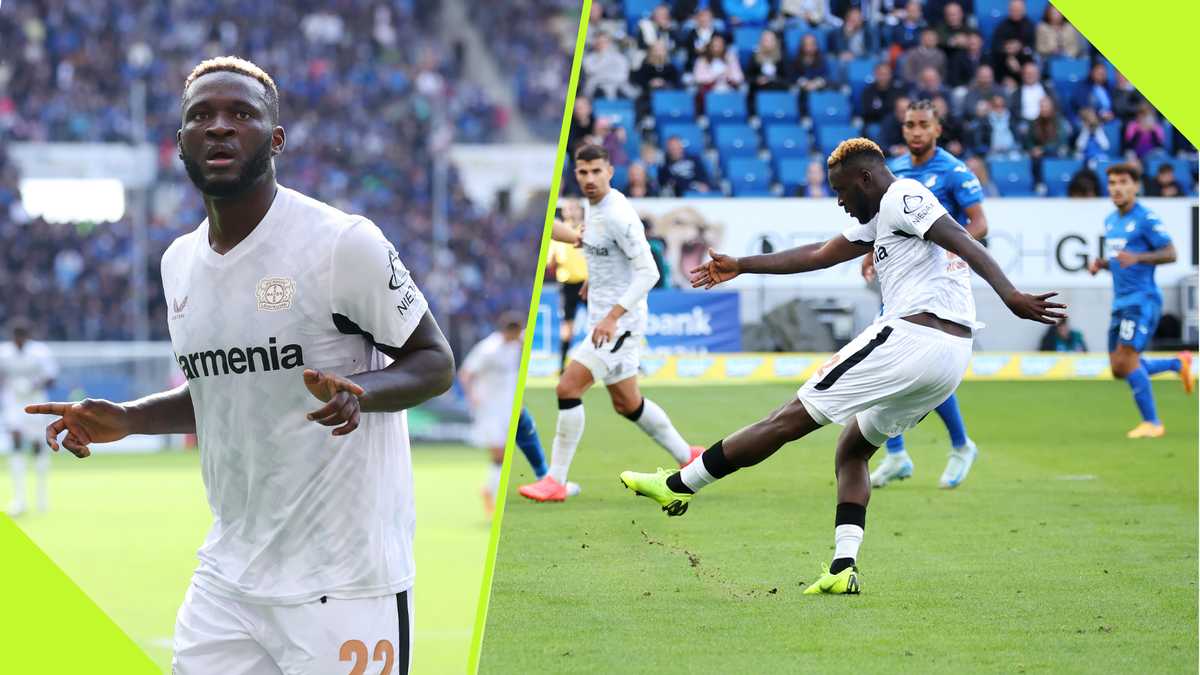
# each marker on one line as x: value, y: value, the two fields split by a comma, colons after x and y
x: 16, y: 466
x: 493, y: 482
x: 695, y: 475
x: 567, y: 433
x: 846, y: 540
x: 42, y: 465
x: 657, y: 425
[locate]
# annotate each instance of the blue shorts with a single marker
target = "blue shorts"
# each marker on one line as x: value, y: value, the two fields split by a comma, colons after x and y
x: 1133, y: 326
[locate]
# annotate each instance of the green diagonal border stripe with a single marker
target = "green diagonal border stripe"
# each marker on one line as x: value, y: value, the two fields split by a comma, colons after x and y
x: 49, y: 625
x: 1152, y: 44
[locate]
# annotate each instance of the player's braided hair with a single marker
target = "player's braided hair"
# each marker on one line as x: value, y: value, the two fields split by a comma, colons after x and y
x: 234, y: 64
x: 926, y: 105
x: 854, y: 147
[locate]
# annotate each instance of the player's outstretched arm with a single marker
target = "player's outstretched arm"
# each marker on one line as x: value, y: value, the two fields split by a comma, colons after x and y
x: 806, y: 258
x: 948, y: 234
x: 100, y: 421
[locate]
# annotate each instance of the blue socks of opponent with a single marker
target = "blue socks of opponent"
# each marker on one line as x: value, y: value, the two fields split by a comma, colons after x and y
x: 951, y: 416
x: 530, y: 444
x: 1156, y: 366
x: 1143, y: 394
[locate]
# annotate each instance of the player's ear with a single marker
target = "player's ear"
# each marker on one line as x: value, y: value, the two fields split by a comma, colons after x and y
x: 278, y: 140
x: 179, y: 142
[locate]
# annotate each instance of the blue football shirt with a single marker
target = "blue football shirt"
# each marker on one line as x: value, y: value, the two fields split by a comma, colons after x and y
x: 947, y: 177
x: 1138, y: 231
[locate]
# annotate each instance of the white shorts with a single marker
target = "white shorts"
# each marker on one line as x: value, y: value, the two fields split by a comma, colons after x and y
x: 330, y: 637
x: 489, y: 428
x: 614, y: 361
x: 31, y: 427
x: 889, y: 377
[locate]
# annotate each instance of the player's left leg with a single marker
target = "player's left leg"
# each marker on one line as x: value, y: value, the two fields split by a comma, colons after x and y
x: 530, y: 445
x: 41, y: 465
x: 332, y: 635
x: 16, y: 467
x: 492, y: 487
x: 628, y: 401
x: 962, y: 448
x: 1130, y: 331
x: 1181, y: 363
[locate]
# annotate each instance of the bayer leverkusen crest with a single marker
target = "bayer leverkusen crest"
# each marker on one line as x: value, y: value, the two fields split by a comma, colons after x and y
x: 275, y: 293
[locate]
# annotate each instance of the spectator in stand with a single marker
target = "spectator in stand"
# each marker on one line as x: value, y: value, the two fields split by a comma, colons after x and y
x: 879, y: 99
x: 1055, y: 36
x: 1062, y: 338
x: 906, y: 33
x: 1049, y: 135
x: 935, y: 10
x: 656, y: 28
x: 1126, y: 100
x: 1009, y: 61
x: 850, y: 40
x: 1015, y: 26
x: 812, y: 12
x: 929, y: 86
x: 814, y: 180
x: 965, y: 63
x: 952, y: 31
x: 640, y: 183
x: 1027, y: 99
x: 1144, y: 134
x: 583, y: 123
x: 1164, y: 183
x: 982, y: 88
x: 746, y: 12
x: 1084, y: 184
x: 979, y: 167
x: 767, y: 69
x: 810, y: 70
x: 1002, y: 127
x: 952, y: 127
x: 1094, y: 93
x: 717, y: 69
x: 922, y: 57
x: 977, y: 131
x: 1093, y: 142
x: 891, y: 131
x: 682, y: 172
x: 606, y: 70
x: 703, y: 28
x: 614, y: 138
x: 656, y: 72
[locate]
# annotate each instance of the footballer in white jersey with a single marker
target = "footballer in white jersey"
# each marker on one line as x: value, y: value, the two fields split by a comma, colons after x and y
x: 27, y: 369
x: 303, y: 339
x: 621, y: 272
x: 890, y: 376
x: 489, y: 378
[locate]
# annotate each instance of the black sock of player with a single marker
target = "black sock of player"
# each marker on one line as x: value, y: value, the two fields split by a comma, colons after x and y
x: 840, y: 564
x: 849, y: 522
x: 715, y: 462
x: 675, y: 483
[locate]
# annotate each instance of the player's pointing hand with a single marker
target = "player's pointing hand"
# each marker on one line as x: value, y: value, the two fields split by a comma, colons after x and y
x: 1036, y: 307
x: 720, y: 269
x: 340, y: 395
x: 87, y: 421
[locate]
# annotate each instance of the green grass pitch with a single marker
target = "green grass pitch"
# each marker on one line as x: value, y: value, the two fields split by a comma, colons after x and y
x: 126, y: 528
x: 1068, y: 549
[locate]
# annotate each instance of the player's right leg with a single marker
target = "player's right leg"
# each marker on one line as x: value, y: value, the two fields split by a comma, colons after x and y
x: 16, y: 467
x: 628, y: 401
x: 575, y: 381
x: 213, y: 635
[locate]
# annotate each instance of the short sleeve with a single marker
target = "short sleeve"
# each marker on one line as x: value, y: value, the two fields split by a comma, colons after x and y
x: 49, y: 364
x: 913, y: 209
x: 860, y: 233
x: 372, y: 292
x: 1154, y: 231
x: 630, y: 237
x: 477, y: 359
x: 967, y: 189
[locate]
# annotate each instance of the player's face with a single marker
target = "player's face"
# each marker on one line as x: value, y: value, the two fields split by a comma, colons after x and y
x: 849, y: 184
x: 594, y: 176
x: 1122, y: 189
x: 228, y: 138
x: 921, y: 131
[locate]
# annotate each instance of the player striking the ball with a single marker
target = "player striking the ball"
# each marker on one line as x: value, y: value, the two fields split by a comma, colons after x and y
x: 890, y: 376
x: 1136, y: 243
x: 275, y: 300
x: 621, y: 272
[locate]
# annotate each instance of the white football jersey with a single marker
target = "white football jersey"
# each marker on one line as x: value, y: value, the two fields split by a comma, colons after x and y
x: 493, y: 365
x: 24, y: 373
x: 915, y: 275
x: 612, y: 237
x: 297, y: 513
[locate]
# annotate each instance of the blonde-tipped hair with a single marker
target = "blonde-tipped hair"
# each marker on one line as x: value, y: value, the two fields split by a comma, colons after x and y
x: 235, y: 64
x: 852, y: 147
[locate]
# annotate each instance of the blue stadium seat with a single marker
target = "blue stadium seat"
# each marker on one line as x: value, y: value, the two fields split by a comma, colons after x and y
x: 749, y: 176
x: 745, y: 39
x: 1112, y: 131
x: 1185, y: 171
x: 989, y: 14
x: 722, y: 107
x: 788, y: 140
x: 777, y: 106
x: 636, y: 10
x: 792, y: 173
x: 620, y: 111
x: 1068, y: 73
x: 1013, y: 177
x: 1057, y: 173
x: 829, y: 135
x: 1100, y: 166
x: 620, y: 179
x: 827, y: 107
x: 672, y: 105
x: 795, y: 34
x: 735, y: 140
x: 689, y: 134
x: 860, y: 74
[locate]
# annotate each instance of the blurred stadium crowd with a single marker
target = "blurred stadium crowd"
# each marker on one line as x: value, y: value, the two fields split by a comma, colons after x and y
x: 363, y: 85
x: 746, y: 97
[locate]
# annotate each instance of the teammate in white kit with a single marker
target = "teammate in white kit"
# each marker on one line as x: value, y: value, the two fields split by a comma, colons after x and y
x: 621, y: 272
x: 489, y: 378
x: 27, y: 369
x: 275, y: 299
x: 890, y: 376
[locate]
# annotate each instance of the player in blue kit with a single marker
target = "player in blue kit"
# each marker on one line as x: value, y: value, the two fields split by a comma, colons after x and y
x: 1134, y: 242
x: 957, y: 188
